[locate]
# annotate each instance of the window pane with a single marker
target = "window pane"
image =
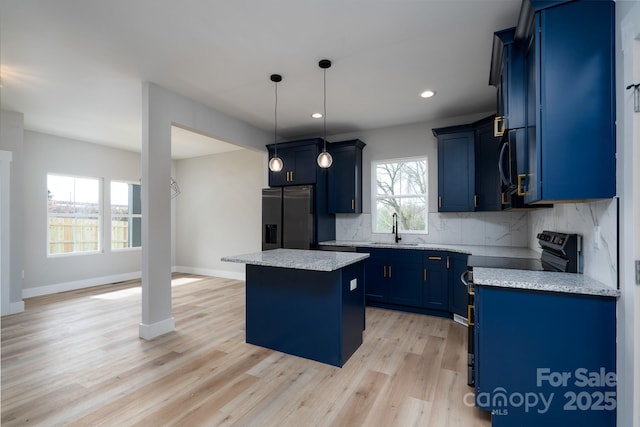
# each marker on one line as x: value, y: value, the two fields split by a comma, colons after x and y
x: 119, y: 197
x: 385, y: 209
x: 126, y: 224
x: 119, y: 233
x: 401, y: 187
x: 126, y: 232
x: 414, y: 178
x: 69, y: 234
x: 413, y: 214
x: 388, y: 179
x: 73, y: 210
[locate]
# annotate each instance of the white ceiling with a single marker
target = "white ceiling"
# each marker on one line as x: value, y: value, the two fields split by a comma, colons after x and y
x: 75, y: 67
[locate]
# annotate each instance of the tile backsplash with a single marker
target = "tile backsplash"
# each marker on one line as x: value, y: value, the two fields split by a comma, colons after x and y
x: 516, y: 229
x: 465, y: 228
x: 599, y: 252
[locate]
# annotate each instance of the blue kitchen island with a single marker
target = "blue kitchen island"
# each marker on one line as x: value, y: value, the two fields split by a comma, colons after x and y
x: 306, y: 303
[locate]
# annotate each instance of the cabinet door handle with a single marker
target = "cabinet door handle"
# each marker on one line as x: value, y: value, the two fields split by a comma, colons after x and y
x: 448, y: 264
x: 439, y: 202
x: 424, y: 274
x: 291, y: 176
x: 384, y: 271
x: 521, y: 178
x: 475, y: 200
x: 499, y: 123
x: 389, y: 272
x: 353, y: 204
x: 435, y: 258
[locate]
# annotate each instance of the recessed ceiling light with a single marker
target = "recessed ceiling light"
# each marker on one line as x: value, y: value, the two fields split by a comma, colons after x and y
x: 317, y: 115
x: 427, y: 94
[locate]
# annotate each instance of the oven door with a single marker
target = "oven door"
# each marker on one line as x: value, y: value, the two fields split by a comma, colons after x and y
x: 553, y: 262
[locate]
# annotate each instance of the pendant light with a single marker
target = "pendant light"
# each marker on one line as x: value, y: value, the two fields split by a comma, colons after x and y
x: 275, y: 164
x: 325, y: 159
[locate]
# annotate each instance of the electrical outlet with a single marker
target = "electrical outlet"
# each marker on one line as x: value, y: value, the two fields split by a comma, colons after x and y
x: 353, y: 284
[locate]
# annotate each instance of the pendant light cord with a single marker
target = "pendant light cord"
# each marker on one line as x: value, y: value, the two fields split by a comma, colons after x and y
x: 325, y: 109
x: 275, y: 128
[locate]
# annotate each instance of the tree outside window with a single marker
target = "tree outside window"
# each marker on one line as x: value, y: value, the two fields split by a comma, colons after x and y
x: 400, y: 187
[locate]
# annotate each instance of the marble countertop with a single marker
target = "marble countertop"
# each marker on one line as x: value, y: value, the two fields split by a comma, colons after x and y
x: 495, y: 251
x: 542, y: 281
x: 299, y: 259
x: 504, y: 277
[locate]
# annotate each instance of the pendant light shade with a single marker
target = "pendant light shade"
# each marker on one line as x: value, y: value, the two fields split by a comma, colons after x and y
x: 275, y: 164
x: 325, y: 159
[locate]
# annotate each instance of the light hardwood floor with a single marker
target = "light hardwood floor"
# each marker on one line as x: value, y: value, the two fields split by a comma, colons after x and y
x: 75, y: 359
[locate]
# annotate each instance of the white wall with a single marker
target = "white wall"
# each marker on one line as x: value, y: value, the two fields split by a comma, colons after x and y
x: 219, y: 211
x: 44, y: 154
x: 11, y: 140
x: 628, y: 132
x: 472, y: 228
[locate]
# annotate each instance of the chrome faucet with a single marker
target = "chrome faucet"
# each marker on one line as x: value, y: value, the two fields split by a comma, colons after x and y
x: 395, y: 227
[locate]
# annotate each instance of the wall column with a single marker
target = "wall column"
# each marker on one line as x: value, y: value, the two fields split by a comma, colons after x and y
x: 12, y: 144
x: 157, y: 316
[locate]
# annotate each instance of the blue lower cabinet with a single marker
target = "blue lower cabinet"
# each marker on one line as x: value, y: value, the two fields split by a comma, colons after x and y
x: 376, y: 282
x: 405, y: 287
x: 458, y: 295
x: 544, y: 358
x: 435, y: 277
x: 416, y: 280
x: 393, y: 276
x: 318, y: 315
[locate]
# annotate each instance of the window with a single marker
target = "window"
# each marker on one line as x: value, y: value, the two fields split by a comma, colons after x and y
x: 126, y: 215
x: 73, y: 214
x: 400, y: 187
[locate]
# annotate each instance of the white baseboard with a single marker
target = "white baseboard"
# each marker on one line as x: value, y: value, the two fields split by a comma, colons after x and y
x: 149, y: 332
x: 225, y: 274
x: 107, y: 280
x: 79, y: 284
x: 16, y: 307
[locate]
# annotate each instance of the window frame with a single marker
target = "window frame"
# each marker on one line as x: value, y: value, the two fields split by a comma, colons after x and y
x: 130, y: 216
x: 99, y: 217
x: 375, y: 197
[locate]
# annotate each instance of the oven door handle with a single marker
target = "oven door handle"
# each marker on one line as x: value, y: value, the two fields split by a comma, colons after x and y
x: 463, y: 279
x: 506, y: 181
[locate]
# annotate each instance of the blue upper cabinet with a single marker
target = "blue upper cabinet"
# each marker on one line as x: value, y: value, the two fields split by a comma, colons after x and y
x: 299, y: 160
x: 487, y: 152
x: 456, y: 169
x: 570, y: 91
x: 345, y: 176
x: 468, y: 176
x: 507, y: 75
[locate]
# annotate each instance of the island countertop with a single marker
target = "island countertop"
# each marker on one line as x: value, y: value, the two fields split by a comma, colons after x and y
x: 299, y: 259
x: 542, y: 281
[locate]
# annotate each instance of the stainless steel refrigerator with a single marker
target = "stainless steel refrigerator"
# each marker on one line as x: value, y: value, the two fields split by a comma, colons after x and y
x: 288, y: 218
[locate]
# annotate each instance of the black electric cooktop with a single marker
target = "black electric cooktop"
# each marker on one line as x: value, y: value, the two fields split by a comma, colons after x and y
x: 501, y: 262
